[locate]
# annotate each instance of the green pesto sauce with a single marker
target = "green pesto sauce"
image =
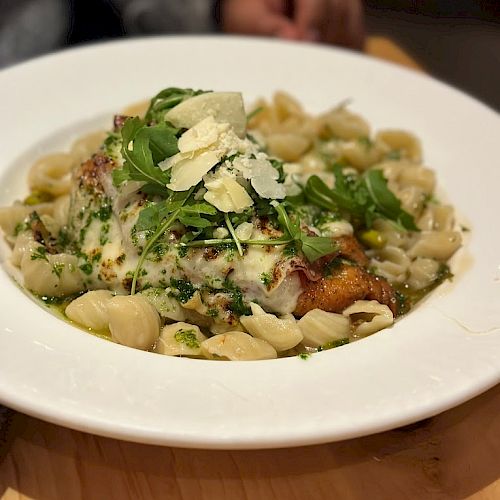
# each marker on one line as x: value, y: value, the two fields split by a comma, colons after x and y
x: 407, y: 298
x: 57, y: 306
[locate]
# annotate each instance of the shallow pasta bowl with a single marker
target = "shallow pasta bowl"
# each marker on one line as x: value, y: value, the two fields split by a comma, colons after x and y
x: 444, y: 352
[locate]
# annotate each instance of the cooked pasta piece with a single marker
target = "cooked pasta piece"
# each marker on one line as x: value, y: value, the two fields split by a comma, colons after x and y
x: 440, y: 245
x: 23, y: 245
x: 342, y: 123
x: 91, y: 309
x: 392, y: 234
x: 60, y: 210
x: 51, y: 174
x: 367, y: 317
x: 51, y: 275
x: 320, y: 327
x: 362, y: 153
x: 237, y: 346
x: 282, y: 333
x: 403, y: 142
x: 437, y: 218
x: 11, y: 217
x: 180, y: 339
x: 288, y: 146
x: 423, y: 272
x: 166, y: 306
x: 392, y: 263
x: 133, y: 321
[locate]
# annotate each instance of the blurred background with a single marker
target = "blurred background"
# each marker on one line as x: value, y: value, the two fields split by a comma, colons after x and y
x: 457, y: 41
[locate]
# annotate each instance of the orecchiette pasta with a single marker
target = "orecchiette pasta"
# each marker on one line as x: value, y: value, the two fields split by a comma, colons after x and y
x: 422, y: 273
x: 133, y: 321
x: 11, y: 216
x: 392, y: 263
x: 437, y: 218
x: 237, y: 346
x: 439, y: 245
x: 320, y: 327
x: 282, y: 333
x: 51, y: 275
x: 403, y: 142
x: 91, y: 310
x: 51, y: 174
x: 180, y: 339
x: 368, y: 316
x: 341, y: 123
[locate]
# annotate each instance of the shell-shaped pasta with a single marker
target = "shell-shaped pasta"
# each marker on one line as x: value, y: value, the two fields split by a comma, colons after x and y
x: 91, y: 309
x: 180, y: 339
x: 133, y: 321
x: 282, y: 333
x: 51, y: 275
x: 237, y: 346
x: 392, y: 263
x: 23, y: 245
x: 437, y: 218
x: 287, y: 146
x: 11, y: 216
x: 50, y: 174
x: 412, y: 199
x: 286, y: 105
x: 405, y: 142
x: 422, y: 273
x: 84, y: 147
x: 367, y: 317
x: 341, y: 123
x: 440, y: 245
x: 166, y: 306
x: 60, y: 210
x: 319, y: 327
x: 417, y: 176
x: 312, y: 162
x: 391, y: 233
x: 362, y: 154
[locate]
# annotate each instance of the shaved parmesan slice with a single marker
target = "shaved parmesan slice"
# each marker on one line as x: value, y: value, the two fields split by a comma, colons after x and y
x: 263, y: 177
x: 227, y: 195
x: 189, y: 172
x: 202, y: 135
x: 244, y: 231
x: 224, y: 107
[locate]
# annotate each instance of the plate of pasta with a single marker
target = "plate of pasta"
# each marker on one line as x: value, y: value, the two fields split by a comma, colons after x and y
x: 276, y: 245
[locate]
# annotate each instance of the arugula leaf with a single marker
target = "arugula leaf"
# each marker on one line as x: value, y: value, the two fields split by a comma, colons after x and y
x: 142, y: 149
x: 167, y: 99
x: 385, y: 201
x: 162, y: 141
x: 313, y: 247
x: 364, y: 199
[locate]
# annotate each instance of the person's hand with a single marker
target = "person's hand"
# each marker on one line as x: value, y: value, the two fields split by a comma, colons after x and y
x: 332, y: 21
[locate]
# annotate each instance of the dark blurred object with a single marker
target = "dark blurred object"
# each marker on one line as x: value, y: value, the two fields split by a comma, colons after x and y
x: 94, y: 20
x: 478, y: 9
x: 456, y: 41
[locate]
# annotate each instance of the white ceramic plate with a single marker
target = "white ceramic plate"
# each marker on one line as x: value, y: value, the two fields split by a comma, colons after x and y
x: 444, y: 352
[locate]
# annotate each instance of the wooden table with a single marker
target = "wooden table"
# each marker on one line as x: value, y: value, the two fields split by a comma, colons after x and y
x: 452, y: 456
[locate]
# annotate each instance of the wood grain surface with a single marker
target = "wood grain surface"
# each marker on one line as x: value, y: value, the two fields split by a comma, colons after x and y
x: 452, y: 456
x: 455, y: 455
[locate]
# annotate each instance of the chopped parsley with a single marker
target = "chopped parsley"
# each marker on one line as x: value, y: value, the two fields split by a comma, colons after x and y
x: 39, y: 253
x: 188, y: 338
